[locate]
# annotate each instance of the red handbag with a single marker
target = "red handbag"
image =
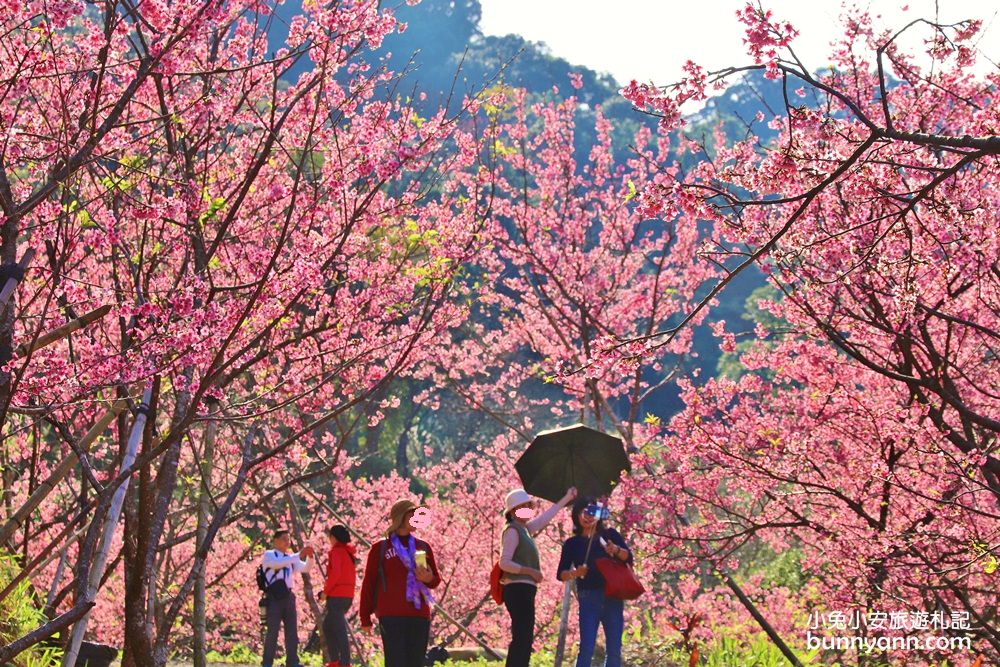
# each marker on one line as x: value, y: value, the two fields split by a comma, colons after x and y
x: 496, y: 588
x: 620, y: 581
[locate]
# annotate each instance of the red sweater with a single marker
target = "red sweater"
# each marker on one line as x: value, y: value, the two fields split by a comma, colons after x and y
x: 392, y: 600
x: 340, y: 572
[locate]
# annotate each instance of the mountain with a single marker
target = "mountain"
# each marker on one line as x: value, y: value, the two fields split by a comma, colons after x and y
x: 444, y: 54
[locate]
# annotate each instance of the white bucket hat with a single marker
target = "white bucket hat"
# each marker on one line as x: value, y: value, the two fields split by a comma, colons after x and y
x: 514, y: 499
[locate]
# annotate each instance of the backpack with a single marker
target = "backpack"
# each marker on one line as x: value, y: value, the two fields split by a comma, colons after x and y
x: 437, y: 654
x: 276, y: 590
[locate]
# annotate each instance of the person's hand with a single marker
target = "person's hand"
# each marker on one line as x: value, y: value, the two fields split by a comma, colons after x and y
x: 580, y: 572
x: 307, y: 552
x: 617, y: 552
x: 424, y: 574
x: 569, y: 497
x: 536, y: 575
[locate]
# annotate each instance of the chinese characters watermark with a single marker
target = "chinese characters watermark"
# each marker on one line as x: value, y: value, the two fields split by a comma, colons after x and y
x: 889, y: 630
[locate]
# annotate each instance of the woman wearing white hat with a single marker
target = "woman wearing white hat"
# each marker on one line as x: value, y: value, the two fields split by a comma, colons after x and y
x: 519, y: 563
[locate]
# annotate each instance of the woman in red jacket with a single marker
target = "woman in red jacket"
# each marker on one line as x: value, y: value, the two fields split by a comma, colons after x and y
x: 399, y: 576
x: 339, y: 591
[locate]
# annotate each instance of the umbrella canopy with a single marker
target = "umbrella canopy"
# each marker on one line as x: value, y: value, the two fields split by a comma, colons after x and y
x: 577, y: 456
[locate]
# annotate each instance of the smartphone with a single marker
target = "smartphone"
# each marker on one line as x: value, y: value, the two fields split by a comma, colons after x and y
x: 421, y: 558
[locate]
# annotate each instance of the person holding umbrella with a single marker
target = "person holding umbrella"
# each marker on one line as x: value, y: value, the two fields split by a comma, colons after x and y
x: 592, y: 540
x: 519, y: 564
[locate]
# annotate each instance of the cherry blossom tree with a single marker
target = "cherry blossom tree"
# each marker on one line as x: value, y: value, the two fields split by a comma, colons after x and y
x: 232, y: 271
x: 864, y: 433
x: 576, y: 269
x: 272, y: 252
x: 871, y: 210
x: 807, y: 452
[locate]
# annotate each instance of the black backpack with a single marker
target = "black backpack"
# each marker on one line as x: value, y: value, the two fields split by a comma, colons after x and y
x: 437, y: 654
x: 276, y: 590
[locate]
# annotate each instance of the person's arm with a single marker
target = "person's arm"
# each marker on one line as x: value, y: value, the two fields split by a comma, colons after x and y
x: 275, y: 561
x: 302, y: 564
x: 622, y: 552
x: 565, y: 562
x: 539, y: 523
x: 368, y: 583
x: 433, y: 583
x: 508, y: 545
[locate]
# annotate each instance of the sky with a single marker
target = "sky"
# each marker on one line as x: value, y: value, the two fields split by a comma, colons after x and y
x: 649, y: 40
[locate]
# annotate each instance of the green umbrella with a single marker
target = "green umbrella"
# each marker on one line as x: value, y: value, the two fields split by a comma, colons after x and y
x: 572, y: 456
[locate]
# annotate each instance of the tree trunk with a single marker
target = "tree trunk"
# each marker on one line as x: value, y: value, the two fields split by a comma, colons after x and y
x: 402, y: 456
x: 172, y: 610
x: 8, y: 255
x: 138, y: 640
x: 141, y: 607
x: 101, y: 557
x: 8, y: 250
x: 204, y: 517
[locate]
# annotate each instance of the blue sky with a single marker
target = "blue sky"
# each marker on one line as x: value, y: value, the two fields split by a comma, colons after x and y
x: 651, y: 39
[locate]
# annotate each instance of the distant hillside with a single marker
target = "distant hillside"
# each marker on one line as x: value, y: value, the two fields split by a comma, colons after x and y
x: 444, y: 54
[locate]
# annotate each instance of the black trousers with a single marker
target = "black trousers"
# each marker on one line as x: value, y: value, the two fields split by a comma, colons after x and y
x: 281, y: 612
x: 520, y: 602
x: 404, y: 640
x: 338, y: 644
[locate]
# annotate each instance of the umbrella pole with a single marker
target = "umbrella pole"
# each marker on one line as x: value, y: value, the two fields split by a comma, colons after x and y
x: 563, y: 622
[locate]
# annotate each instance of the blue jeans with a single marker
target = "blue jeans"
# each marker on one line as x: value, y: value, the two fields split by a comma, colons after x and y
x: 595, y: 610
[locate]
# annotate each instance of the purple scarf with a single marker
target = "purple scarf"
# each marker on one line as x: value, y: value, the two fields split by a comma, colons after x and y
x: 415, y: 589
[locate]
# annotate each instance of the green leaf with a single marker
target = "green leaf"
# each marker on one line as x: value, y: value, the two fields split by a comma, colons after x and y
x: 631, y: 191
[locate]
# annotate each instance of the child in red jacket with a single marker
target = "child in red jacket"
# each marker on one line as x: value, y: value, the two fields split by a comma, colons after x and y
x: 339, y: 590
